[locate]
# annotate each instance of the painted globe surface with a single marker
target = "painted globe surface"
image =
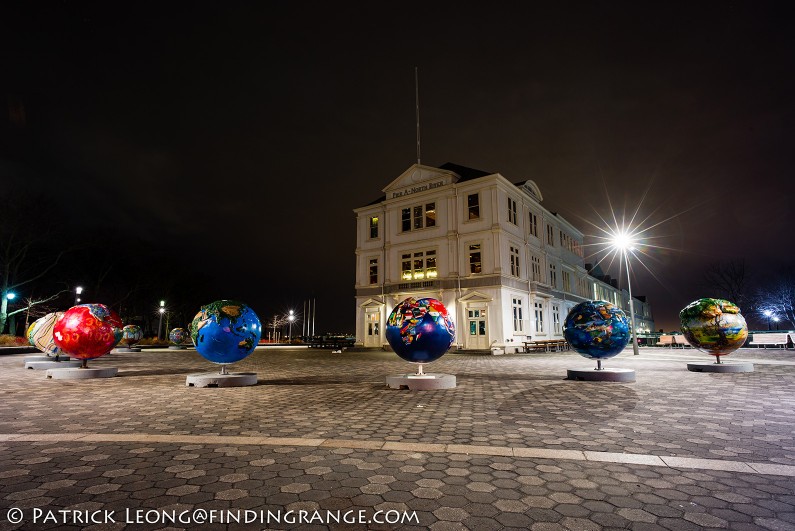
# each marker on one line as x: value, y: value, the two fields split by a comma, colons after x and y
x: 225, y: 331
x: 43, y: 334
x: 597, y: 329
x: 420, y: 330
x: 31, y: 330
x: 178, y: 336
x: 87, y: 331
x: 714, y: 326
x: 131, y: 334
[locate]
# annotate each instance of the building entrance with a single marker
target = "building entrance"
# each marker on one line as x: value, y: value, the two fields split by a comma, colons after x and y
x: 477, y: 336
x: 372, y: 328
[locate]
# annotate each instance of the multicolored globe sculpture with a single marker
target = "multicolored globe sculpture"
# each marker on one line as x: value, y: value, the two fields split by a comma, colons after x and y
x: 225, y: 331
x: 178, y: 336
x: 420, y: 330
x: 87, y: 331
x: 714, y: 326
x: 131, y: 334
x: 43, y: 338
x: 29, y: 332
x: 597, y: 330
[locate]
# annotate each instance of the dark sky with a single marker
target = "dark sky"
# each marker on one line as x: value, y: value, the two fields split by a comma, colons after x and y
x: 242, y: 135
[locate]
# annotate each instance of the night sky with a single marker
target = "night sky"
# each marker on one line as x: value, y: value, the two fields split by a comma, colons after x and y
x: 236, y: 138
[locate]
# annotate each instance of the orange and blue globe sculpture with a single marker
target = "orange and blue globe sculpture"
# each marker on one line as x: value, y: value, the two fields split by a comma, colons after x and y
x: 597, y: 330
x: 178, y: 336
x: 714, y: 326
x: 420, y: 330
x: 87, y: 331
x: 225, y: 331
x: 30, y: 331
x: 131, y: 334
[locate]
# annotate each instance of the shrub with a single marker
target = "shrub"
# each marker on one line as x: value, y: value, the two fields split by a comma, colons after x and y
x: 7, y: 340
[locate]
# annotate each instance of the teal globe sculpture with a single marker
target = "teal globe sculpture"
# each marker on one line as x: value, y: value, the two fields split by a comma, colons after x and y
x: 420, y: 330
x: 597, y: 330
x: 225, y: 331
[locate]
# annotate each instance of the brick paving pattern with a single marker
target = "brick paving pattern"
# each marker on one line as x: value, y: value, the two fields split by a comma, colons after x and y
x: 514, y: 446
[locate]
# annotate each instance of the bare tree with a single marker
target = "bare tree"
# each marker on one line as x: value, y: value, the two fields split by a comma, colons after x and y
x: 778, y: 300
x: 727, y: 280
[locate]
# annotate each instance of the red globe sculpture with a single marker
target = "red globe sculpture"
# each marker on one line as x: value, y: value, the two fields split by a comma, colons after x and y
x: 88, y: 331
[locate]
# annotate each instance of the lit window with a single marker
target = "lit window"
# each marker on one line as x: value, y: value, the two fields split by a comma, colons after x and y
x: 430, y: 215
x: 374, y: 227
x: 419, y: 265
x: 473, y: 206
x: 475, y: 260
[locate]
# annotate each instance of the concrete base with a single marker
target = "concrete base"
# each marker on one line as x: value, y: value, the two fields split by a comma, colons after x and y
x: 45, y: 358
x: 590, y: 374
x: 177, y: 347
x: 721, y: 367
x: 126, y: 349
x: 216, y: 379
x: 82, y: 374
x: 41, y: 365
x: 424, y: 382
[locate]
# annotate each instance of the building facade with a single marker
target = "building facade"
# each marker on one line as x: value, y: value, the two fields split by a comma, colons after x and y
x: 507, y: 269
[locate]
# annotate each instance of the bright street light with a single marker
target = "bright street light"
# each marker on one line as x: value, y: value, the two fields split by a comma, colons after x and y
x: 11, y: 295
x: 291, y: 318
x: 624, y: 242
x: 78, y: 291
x: 162, y: 310
x: 768, y: 313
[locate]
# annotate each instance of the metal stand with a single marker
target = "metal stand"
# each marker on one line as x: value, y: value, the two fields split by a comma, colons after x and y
x: 718, y: 358
x: 599, y: 365
x: 223, y: 369
x: 419, y: 370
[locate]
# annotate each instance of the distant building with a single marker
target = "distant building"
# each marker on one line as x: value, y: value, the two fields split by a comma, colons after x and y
x: 506, y: 268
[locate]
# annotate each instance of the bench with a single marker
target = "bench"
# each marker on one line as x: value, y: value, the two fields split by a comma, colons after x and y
x: 671, y: 340
x: 545, y: 345
x: 771, y: 339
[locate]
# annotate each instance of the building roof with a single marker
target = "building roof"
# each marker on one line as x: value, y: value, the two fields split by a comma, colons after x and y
x: 466, y: 174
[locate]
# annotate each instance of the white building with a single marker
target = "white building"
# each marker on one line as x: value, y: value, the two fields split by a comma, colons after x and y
x: 506, y: 268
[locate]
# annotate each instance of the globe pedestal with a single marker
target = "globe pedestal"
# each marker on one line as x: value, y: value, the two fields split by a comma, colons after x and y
x: 126, y: 349
x: 52, y: 364
x: 45, y: 358
x: 81, y: 373
x: 719, y: 366
x: 221, y: 379
x: 601, y: 374
x: 421, y: 381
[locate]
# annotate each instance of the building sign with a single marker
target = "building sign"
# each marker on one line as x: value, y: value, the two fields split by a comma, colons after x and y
x: 417, y: 189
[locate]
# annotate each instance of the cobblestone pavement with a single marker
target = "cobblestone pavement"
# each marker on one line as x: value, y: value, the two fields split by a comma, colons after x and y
x: 513, y: 446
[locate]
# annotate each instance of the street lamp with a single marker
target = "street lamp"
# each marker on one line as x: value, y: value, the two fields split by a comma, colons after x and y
x: 11, y: 295
x: 162, y: 310
x: 78, y: 291
x: 768, y: 313
x: 775, y: 320
x: 291, y: 318
x: 624, y: 242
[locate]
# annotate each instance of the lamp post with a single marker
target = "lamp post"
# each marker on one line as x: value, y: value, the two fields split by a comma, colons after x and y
x: 775, y: 320
x: 11, y: 295
x: 162, y: 310
x: 78, y: 291
x: 291, y: 318
x: 623, y: 242
x: 768, y: 313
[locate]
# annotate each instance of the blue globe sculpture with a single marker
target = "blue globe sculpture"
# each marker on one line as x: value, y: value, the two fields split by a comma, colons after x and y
x: 225, y: 331
x: 597, y: 329
x: 420, y: 330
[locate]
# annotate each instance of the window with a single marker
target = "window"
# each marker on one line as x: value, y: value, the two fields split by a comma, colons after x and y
x: 536, y: 265
x: 533, y: 225
x: 556, y: 319
x: 553, y: 275
x: 418, y: 217
x: 475, y: 260
x: 418, y: 265
x: 518, y: 325
x: 515, y: 270
x: 550, y: 235
x: 566, y: 281
x: 373, y: 270
x: 473, y: 206
x: 539, y: 314
x: 512, y: 211
x: 374, y: 227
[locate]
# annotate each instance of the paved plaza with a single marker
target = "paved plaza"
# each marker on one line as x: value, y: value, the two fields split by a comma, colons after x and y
x: 514, y: 446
